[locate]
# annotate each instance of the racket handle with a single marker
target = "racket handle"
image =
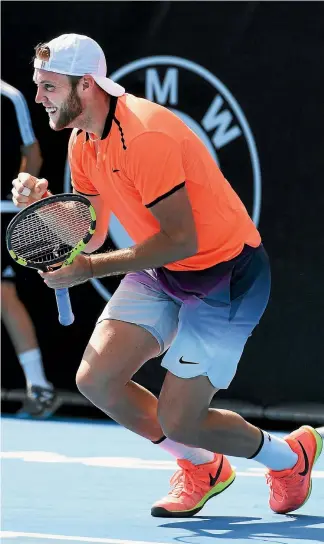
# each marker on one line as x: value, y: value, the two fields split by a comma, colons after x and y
x: 66, y: 316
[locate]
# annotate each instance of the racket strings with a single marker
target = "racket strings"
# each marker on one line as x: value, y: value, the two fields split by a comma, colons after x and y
x: 51, y: 231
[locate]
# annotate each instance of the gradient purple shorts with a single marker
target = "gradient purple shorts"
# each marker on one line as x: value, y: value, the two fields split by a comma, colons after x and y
x: 202, y: 318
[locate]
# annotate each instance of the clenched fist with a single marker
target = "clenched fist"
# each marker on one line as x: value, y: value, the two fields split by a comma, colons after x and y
x: 28, y: 189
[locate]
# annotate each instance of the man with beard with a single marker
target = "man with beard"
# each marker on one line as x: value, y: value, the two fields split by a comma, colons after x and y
x: 197, y: 280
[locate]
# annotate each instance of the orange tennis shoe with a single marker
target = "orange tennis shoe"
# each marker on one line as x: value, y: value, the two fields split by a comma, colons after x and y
x: 193, y: 486
x: 290, y: 489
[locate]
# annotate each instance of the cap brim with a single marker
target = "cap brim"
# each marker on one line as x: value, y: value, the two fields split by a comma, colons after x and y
x: 109, y: 86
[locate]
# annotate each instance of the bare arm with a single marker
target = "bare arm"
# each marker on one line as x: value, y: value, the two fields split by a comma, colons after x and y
x: 176, y: 240
x: 31, y: 159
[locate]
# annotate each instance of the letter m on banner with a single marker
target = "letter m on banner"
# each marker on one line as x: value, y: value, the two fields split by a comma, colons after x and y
x: 162, y: 92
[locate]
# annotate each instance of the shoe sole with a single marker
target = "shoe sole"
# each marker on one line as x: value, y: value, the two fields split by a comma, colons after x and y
x: 160, y: 512
x: 42, y: 414
x: 319, y: 447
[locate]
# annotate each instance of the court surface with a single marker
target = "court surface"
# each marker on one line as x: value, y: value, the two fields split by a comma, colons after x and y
x: 83, y: 482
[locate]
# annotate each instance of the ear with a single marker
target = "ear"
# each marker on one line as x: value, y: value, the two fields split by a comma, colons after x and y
x: 87, y: 83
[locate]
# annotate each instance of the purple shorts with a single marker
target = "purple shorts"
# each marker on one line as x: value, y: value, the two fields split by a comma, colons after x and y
x: 202, y: 319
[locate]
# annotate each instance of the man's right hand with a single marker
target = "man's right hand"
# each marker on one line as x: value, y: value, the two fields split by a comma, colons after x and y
x: 28, y: 189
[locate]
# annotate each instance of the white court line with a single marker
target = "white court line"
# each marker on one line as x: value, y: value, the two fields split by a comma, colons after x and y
x: 133, y: 463
x: 15, y: 534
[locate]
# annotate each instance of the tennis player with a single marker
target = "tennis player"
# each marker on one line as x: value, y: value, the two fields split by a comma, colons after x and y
x: 197, y: 280
x: 21, y: 151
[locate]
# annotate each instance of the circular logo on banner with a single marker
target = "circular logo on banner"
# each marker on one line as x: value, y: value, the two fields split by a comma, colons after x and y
x: 207, y: 106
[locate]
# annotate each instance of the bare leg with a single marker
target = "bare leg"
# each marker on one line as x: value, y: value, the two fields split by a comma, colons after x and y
x: 22, y: 333
x: 115, y: 352
x: 195, y: 424
x: 17, y: 320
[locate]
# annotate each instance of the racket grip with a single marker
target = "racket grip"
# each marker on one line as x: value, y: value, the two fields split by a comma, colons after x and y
x: 66, y: 316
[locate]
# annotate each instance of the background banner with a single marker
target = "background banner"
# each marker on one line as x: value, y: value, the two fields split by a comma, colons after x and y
x: 247, y: 77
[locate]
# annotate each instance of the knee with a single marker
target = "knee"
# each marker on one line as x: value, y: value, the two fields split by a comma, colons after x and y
x: 175, y: 426
x: 85, y: 380
x: 97, y: 386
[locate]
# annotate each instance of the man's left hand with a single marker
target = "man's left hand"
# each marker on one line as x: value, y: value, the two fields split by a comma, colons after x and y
x: 78, y: 272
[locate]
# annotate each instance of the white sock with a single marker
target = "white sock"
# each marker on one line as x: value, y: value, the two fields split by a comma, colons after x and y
x: 275, y: 453
x: 196, y: 456
x: 32, y: 365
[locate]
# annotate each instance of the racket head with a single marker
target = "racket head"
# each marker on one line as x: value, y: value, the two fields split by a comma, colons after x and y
x: 51, y: 231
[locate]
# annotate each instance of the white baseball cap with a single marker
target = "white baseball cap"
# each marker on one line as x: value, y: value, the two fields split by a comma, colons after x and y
x: 77, y: 55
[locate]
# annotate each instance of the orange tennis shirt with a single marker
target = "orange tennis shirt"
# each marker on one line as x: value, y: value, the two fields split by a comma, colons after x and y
x: 144, y: 155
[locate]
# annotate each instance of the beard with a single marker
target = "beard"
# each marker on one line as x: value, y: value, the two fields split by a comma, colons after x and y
x: 69, y: 111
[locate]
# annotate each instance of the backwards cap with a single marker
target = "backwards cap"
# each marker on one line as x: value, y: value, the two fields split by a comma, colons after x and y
x: 78, y: 55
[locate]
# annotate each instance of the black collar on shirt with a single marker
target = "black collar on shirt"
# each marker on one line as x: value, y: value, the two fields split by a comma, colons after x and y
x: 109, y: 119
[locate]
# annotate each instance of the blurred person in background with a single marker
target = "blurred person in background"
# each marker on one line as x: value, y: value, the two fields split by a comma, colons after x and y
x: 20, y: 152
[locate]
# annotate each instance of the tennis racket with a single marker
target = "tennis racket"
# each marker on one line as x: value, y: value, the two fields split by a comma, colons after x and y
x: 49, y: 234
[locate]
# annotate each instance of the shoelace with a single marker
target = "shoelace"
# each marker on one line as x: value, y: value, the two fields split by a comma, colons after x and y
x: 183, y: 481
x: 277, y: 486
x: 280, y: 486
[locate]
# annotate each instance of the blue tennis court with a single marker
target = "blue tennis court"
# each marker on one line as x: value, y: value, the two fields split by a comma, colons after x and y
x: 67, y: 481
